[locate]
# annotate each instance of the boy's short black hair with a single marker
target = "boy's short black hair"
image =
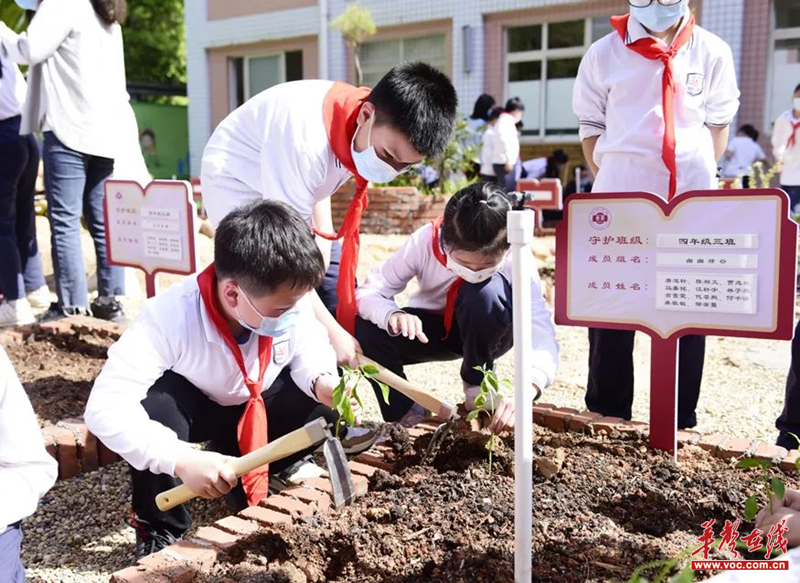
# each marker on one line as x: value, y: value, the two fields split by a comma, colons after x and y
x: 267, y: 244
x: 796, y: 89
x: 475, y: 219
x: 515, y: 104
x: 483, y: 106
x: 420, y: 102
x: 750, y: 131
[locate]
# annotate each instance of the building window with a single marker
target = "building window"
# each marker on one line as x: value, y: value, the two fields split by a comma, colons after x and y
x: 378, y: 57
x: 785, y: 57
x: 542, y: 63
x: 250, y: 76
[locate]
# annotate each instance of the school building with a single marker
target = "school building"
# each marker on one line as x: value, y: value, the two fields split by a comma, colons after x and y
x: 525, y: 48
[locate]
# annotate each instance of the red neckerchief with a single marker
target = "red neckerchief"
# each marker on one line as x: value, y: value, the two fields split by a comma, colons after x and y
x: 650, y: 48
x: 340, y: 111
x: 252, y: 428
x: 452, y: 292
x: 793, y: 138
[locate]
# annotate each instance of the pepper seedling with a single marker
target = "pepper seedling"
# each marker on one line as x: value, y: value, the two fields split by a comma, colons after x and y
x: 772, y: 484
x: 348, y: 387
x: 684, y: 575
x: 491, y: 388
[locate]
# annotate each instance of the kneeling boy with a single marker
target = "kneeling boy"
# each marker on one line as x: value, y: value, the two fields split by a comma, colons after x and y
x: 234, y: 351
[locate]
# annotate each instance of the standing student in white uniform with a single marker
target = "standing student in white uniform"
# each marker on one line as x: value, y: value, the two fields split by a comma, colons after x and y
x: 27, y: 471
x: 506, y: 152
x: 462, y: 308
x: 786, y: 149
x: 299, y: 142
x: 742, y: 153
x: 640, y: 134
x: 235, y: 351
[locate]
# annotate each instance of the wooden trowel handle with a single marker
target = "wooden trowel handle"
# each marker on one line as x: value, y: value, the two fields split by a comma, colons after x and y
x: 299, y: 439
x: 423, y: 398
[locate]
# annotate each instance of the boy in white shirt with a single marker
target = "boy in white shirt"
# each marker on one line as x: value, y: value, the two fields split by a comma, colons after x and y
x: 654, y: 100
x: 463, y: 306
x: 742, y: 153
x: 299, y: 142
x: 236, y: 346
x: 786, y: 149
x: 27, y: 471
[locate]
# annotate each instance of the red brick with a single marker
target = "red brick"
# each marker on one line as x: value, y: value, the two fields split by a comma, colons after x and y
x: 686, y: 437
x: 540, y: 412
x: 735, y: 448
x: 582, y: 421
x: 224, y: 541
x: 87, y: 443
x: 362, y: 469
x: 557, y: 419
x: 201, y: 557
x: 105, y: 457
x: 66, y: 452
x: 59, y: 327
x: 316, y: 499
x: 419, y: 431
x: 711, y: 442
x: 137, y: 574
x: 606, y: 424
x: 321, y: 484
x: 371, y: 458
x: 102, y: 328
x: 788, y: 463
x: 265, y: 515
x: 769, y: 453
x: 631, y: 427
x: 360, y: 485
x: 287, y: 505
x: 50, y: 444
x: 236, y: 525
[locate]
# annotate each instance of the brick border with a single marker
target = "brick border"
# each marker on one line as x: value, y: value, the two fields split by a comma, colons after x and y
x: 69, y: 442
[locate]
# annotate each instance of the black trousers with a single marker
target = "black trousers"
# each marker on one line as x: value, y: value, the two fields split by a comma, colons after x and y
x: 789, y: 421
x: 176, y: 403
x: 482, y: 331
x: 327, y: 288
x: 610, y: 387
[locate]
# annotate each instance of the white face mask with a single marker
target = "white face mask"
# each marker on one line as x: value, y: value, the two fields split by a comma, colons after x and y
x: 369, y: 165
x: 471, y: 276
x: 658, y: 17
x: 27, y: 4
x: 270, y: 326
x: 797, y: 103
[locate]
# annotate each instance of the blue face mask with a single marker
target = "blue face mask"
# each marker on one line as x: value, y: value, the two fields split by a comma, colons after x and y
x: 27, y: 4
x: 273, y: 327
x: 658, y: 17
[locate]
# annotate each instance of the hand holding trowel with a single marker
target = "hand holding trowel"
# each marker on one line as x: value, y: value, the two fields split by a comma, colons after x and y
x: 308, y: 436
x: 423, y: 398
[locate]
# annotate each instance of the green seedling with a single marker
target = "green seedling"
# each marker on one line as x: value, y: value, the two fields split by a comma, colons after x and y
x: 772, y: 484
x: 348, y: 387
x: 489, y: 384
x: 685, y: 575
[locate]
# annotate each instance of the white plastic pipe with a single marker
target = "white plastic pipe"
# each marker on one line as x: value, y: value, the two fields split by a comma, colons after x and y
x: 520, y: 236
x: 324, y: 68
x: 578, y: 180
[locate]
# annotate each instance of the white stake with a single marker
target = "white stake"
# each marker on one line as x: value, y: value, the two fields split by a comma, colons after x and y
x: 520, y: 236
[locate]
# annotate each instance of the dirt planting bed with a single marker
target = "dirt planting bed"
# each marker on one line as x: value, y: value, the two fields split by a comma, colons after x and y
x: 58, y: 371
x: 608, y: 505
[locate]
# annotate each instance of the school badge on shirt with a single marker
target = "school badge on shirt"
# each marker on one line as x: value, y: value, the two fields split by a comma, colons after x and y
x: 694, y: 83
x: 280, y: 352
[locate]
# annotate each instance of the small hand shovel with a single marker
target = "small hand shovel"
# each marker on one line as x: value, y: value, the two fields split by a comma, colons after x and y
x: 423, y: 398
x: 308, y: 436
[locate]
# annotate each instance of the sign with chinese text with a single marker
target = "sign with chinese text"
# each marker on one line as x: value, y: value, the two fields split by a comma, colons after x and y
x: 547, y: 195
x: 152, y: 229
x: 709, y: 263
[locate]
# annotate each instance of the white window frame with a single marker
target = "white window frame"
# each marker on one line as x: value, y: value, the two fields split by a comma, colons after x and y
x: 402, y: 40
x: 246, y: 69
x: 543, y: 55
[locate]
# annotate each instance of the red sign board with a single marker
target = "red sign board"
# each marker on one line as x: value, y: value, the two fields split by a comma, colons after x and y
x: 709, y: 263
x: 547, y: 195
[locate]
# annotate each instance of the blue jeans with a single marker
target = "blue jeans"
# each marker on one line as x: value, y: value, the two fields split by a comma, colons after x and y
x: 75, y: 185
x: 21, y: 268
x: 11, y: 567
x: 794, y: 196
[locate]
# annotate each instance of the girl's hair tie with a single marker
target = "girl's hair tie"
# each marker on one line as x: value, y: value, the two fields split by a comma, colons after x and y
x: 486, y: 202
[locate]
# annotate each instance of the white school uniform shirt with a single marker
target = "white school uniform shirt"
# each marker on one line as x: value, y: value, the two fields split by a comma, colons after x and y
x: 790, y: 175
x: 276, y: 147
x: 175, y: 332
x: 744, y: 153
x: 27, y: 471
x: 12, y: 90
x: 617, y: 96
x: 416, y: 259
x: 488, y: 145
x: 77, y: 78
x: 506, y: 138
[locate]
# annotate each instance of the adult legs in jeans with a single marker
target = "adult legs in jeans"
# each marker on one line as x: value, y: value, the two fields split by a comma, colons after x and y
x: 176, y: 403
x: 789, y: 420
x: 30, y: 259
x: 74, y: 183
x: 505, y: 179
x: 10, y: 563
x: 14, y: 156
x: 794, y: 197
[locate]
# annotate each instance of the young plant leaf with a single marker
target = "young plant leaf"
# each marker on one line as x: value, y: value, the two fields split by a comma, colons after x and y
x: 478, y: 368
x: 797, y: 439
x: 370, y: 370
x: 797, y: 463
x: 385, y: 391
x: 685, y: 576
x: 750, y: 508
x: 748, y: 463
x: 778, y: 488
x: 354, y: 394
x: 491, y: 378
x: 507, y: 387
x: 473, y: 415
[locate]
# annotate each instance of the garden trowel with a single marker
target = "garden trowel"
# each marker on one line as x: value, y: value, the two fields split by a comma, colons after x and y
x: 423, y: 398
x: 307, y: 436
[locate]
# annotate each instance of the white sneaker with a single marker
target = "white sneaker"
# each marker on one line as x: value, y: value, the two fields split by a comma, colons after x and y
x: 16, y: 313
x: 40, y: 298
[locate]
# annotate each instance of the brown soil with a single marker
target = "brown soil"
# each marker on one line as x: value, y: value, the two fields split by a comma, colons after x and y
x: 611, y: 506
x: 58, y: 372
